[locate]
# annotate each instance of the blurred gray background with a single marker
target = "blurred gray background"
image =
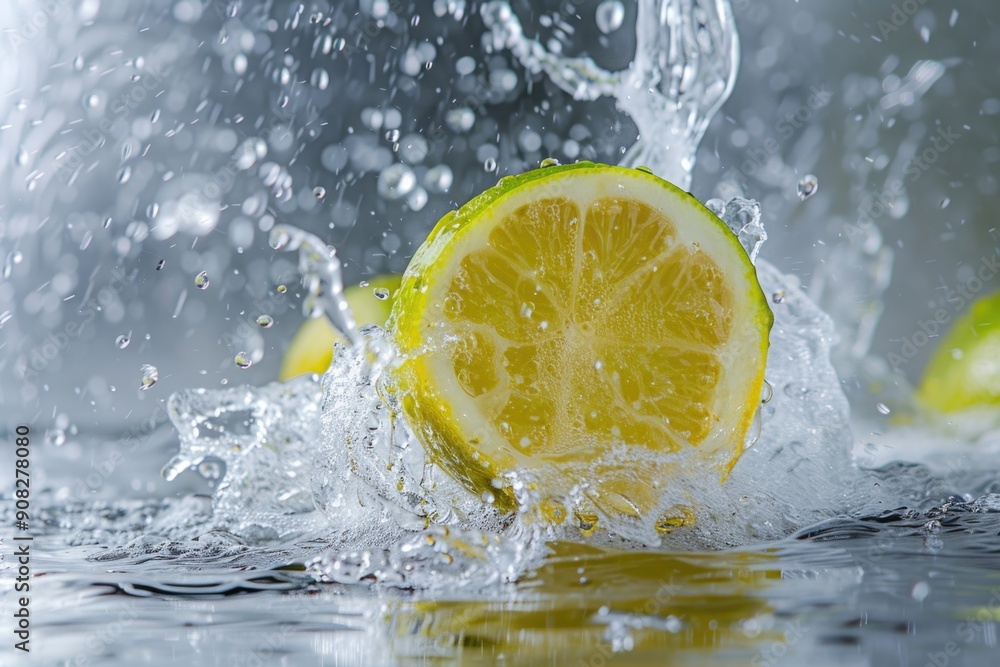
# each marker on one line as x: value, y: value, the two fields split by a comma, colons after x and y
x: 143, y: 143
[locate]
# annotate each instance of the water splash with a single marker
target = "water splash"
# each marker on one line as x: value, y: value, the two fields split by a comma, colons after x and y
x: 685, y: 65
x: 264, y: 437
x: 684, y: 69
x: 861, y: 269
x: 742, y: 216
x: 321, y: 274
x: 395, y: 517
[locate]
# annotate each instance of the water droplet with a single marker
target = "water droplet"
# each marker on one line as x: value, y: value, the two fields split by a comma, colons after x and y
x: 210, y: 469
x: 363, y: 283
x: 808, y: 186
x: 413, y: 149
x: 644, y: 168
x: 460, y: 120
x: 372, y: 118
x: 201, y: 280
x: 778, y: 297
x: 161, y: 264
x: 882, y: 408
x: 610, y: 15
x: 490, y: 164
x: 279, y: 238
x: 265, y: 321
x: 150, y: 375
x: 122, y: 341
x: 396, y: 181
x: 319, y: 192
x: 417, y: 199
x: 439, y: 178
x: 107, y: 222
x: 320, y: 78
x: 243, y: 360
x: 124, y: 174
x: 549, y: 162
x: 56, y: 437
x: 381, y: 293
x: 281, y: 289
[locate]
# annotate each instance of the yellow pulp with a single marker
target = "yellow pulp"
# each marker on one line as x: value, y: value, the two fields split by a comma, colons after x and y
x: 565, y: 319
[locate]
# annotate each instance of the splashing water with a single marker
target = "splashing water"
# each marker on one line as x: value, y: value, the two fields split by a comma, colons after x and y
x: 686, y: 59
x: 351, y: 458
x: 321, y: 275
x: 332, y: 457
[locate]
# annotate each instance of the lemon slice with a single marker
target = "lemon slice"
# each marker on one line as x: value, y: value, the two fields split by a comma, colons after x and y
x: 572, y: 315
x: 311, y: 350
x: 964, y: 371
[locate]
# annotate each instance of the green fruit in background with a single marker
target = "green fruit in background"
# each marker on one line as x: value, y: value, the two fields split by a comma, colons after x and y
x: 312, y: 347
x: 964, y: 371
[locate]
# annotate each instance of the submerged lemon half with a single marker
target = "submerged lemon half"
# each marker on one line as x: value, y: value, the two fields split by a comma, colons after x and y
x: 311, y: 350
x: 572, y: 315
x: 964, y: 371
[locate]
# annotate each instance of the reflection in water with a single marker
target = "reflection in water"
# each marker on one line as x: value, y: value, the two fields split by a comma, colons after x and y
x: 589, y: 605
